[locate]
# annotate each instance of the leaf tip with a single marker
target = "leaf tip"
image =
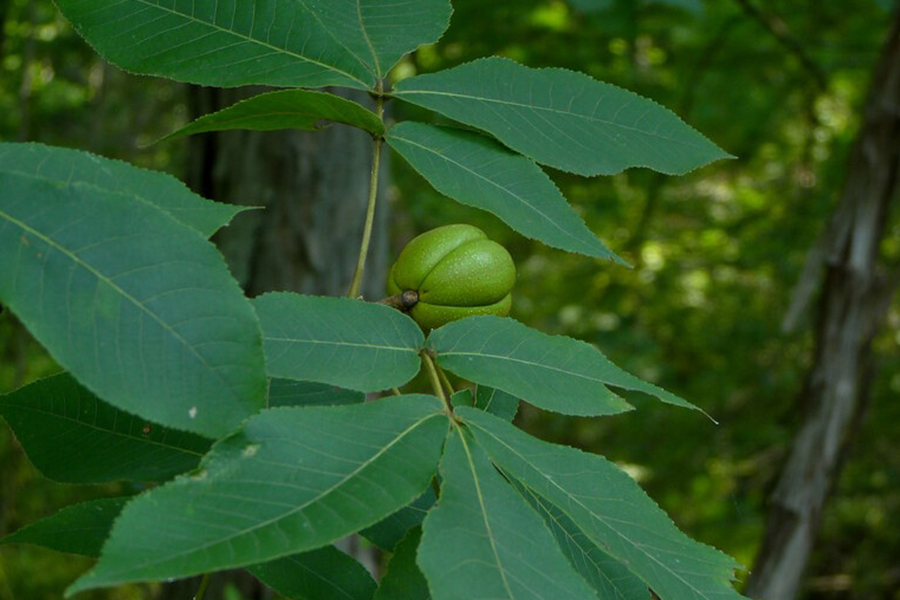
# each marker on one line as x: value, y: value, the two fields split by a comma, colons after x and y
x: 82, y: 584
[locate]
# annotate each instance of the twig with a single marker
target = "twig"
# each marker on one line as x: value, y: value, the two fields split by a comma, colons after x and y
x: 373, y: 196
x: 204, y: 584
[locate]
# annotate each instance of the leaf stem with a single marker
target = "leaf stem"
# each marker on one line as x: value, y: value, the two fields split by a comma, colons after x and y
x: 436, y: 382
x: 445, y: 380
x: 201, y: 591
x: 373, y: 194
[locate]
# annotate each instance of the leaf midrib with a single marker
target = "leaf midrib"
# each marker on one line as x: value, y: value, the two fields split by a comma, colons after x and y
x: 348, y: 344
x: 589, y: 118
x: 577, y: 500
x: 365, y: 464
x: 612, y: 397
x: 546, y: 217
x: 260, y: 42
x: 487, y: 524
x: 572, y: 539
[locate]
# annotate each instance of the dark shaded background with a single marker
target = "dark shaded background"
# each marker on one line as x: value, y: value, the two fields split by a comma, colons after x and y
x: 780, y: 84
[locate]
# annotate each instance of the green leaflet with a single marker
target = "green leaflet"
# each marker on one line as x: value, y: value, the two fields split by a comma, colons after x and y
x: 552, y: 372
x: 222, y: 43
x: 77, y: 529
x: 605, y: 574
x: 341, y: 341
x: 285, y: 109
x: 72, y: 436
x: 477, y: 171
x: 379, y: 32
x: 228, y: 43
x: 388, y: 532
x: 562, y: 118
x: 404, y: 580
x: 483, y: 541
x: 63, y: 166
x: 496, y: 402
x: 291, y: 480
x: 135, y: 305
x: 323, y: 573
x: 610, y: 509
x: 285, y: 392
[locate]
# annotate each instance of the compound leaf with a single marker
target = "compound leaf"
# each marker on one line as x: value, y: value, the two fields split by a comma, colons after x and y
x: 63, y: 166
x: 357, y: 345
x: 72, y: 436
x: 610, y: 509
x: 135, y: 305
x: 477, y: 171
x: 285, y: 109
x: 78, y: 529
x: 291, y: 480
x: 317, y: 574
x: 223, y: 43
x: 484, y: 541
x: 562, y: 118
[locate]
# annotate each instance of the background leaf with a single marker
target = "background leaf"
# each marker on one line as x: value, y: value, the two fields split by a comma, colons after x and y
x: 562, y: 118
x: 78, y: 529
x: 463, y: 397
x: 496, y: 402
x: 316, y: 575
x: 285, y: 109
x: 483, y: 540
x: 285, y: 392
x: 64, y: 166
x: 210, y: 42
x: 404, y: 580
x: 611, y: 509
x: 137, y: 306
x: 358, y: 345
x: 72, y: 436
x: 388, y: 532
x: 291, y: 480
x: 479, y: 172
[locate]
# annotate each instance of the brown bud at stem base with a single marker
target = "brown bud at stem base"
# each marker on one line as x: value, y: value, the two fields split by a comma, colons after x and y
x: 402, y: 302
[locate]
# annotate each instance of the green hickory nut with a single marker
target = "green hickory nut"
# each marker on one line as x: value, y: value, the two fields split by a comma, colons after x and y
x: 457, y: 272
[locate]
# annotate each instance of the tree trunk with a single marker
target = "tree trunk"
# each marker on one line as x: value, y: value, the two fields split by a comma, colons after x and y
x: 854, y: 300
x: 314, y: 188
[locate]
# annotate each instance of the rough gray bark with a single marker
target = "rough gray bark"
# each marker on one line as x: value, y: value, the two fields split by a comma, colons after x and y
x: 854, y: 299
x: 314, y: 188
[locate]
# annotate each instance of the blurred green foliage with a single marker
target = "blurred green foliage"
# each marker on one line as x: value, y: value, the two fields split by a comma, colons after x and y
x: 715, y: 253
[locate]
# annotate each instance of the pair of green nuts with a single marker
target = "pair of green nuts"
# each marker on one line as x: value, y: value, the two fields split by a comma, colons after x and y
x: 452, y: 272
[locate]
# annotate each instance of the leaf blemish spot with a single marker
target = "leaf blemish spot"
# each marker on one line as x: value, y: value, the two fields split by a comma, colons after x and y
x: 250, y: 450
